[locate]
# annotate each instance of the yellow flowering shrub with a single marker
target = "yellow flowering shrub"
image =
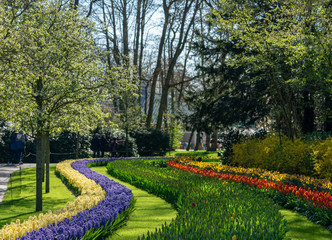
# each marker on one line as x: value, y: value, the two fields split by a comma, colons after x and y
x: 91, y: 194
x: 293, y: 157
x: 322, y: 154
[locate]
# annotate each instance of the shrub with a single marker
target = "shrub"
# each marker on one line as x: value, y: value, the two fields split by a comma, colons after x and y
x: 176, y: 135
x: 61, y: 147
x: 152, y: 142
x: 322, y: 155
x: 284, y: 155
x: 120, y: 135
x: 233, y: 136
x: 65, y: 146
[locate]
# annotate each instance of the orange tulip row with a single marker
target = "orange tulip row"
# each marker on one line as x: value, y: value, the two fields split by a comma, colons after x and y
x: 320, y: 199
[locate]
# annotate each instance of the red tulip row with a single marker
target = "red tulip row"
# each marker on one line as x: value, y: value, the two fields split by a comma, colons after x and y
x: 320, y: 199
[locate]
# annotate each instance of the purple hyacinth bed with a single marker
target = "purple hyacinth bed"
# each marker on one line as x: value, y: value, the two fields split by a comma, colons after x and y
x: 117, y: 200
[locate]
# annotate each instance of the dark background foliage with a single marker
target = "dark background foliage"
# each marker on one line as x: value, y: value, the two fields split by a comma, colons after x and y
x: 152, y: 142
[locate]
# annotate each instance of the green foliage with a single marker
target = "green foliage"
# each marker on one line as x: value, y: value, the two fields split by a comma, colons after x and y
x: 151, y: 142
x: 267, y: 58
x: 176, y: 135
x: 232, y: 136
x: 62, y: 146
x: 207, y: 208
x: 120, y: 135
x: 322, y: 155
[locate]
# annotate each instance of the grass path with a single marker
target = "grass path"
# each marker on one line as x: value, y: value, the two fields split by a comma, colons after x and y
x: 150, y: 212
x: 20, y: 199
x: 303, y: 229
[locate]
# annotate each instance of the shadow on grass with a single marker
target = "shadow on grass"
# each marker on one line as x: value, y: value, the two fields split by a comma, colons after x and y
x: 20, y: 199
x: 301, y: 228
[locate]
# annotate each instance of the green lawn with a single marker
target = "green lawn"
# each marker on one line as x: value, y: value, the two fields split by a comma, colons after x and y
x: 301, y: 228
x: 20, y: 199
x: 150, y: 212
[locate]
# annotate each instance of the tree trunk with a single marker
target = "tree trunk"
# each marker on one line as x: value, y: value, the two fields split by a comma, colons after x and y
x: 163, y: 104
x: 198, y: 136
x: 280, y: 99
x: 328, y: 120
x: 46, y: 156
x: 116, y: 52
x: 308, y: 114
x: 183, y: 35
x: 158, y: 65
x: 138, y: 29
x: 207, y: 142
x: 140, y: 57
x: 214, y: 140
x: 77, y: 145
x: 39, y: 172
x: 108, y: 48
x: 191, y: 136
x: 125, y: 31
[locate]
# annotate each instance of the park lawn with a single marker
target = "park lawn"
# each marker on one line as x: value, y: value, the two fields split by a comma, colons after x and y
x: 150, y: 212
x: 19, y: 201
x: 300, y: 228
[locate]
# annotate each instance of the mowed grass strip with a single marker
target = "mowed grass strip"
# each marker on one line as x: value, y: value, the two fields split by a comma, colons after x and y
x: 20, y: 199
x: 300, y: 228
x: 150, y: 212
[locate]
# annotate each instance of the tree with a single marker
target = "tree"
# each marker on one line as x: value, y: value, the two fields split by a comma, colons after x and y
x: 274, y: 41
x: 54, y: 79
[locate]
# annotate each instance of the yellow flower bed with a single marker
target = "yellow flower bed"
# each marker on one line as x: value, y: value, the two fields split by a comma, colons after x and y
x: 265, y: 174
x: 91, y: 194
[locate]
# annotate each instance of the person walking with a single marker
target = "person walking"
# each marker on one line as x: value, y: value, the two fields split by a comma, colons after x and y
x: 13, y: 151
x: 103, y: 144
x: 95, y: 146
x: 17, y: 148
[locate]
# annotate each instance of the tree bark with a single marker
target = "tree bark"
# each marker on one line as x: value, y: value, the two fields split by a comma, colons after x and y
x: 108, y: 49
x: 207, y: 142
x: 180, y: 46
x: 77, y: 145
x: 214, y: 140
x: 157, y: 69
x: 137, y: 33
x: 198, y: 136
x: 328, y: 120
x: 116, y: 52
x: 308, y: 113
x: 39, y: 172
x: 191, y: 136
x: 125, y: 31
x: 46, y: 156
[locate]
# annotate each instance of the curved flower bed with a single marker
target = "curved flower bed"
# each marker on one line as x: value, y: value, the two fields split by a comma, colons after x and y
x: 260, y: 173
x: 90, y: 211
x: 321, y: 199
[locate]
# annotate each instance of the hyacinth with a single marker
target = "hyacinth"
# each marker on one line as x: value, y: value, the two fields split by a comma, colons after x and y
x: 100, y: 202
